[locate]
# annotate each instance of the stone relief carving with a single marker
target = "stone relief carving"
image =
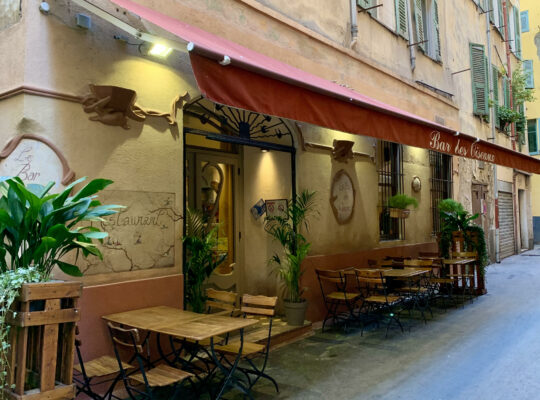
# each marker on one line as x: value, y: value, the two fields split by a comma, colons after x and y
x: 114, y: 105
x: 342, y: 197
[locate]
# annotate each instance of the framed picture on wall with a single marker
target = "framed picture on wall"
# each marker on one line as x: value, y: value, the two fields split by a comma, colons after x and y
x: 276, y: 208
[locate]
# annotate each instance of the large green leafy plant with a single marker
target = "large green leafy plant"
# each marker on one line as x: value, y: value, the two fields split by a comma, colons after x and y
x: 201, y: 258
x: 286, y: 230
x: 456, y: 218
x: 37, y: 229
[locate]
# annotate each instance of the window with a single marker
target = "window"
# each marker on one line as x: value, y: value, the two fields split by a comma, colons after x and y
x: 496, y: 15
x: 479, y: 80
x: 525, y: 21
x: 390, y: 171
x: 368, y: 4
x: 402, y: 19
x: 496, y: 95
x: 529, y: 72
x: 532, y: 136
x: 516, y: 33
x: 441, y: 184
x: 426, y: 24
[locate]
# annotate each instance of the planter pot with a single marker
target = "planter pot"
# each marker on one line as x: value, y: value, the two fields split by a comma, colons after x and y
x: 399, y: 213
x: 295, y: 312
x: 42, y: 342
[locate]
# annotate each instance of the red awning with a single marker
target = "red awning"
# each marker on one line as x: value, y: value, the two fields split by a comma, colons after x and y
x: 255, y: 82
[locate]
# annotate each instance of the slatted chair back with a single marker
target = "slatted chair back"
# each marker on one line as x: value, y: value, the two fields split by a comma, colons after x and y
x: 258, y: 305
x: 371, y: 280
x: 220, y: 300
x: 464, y: 254
x: 128, y: 339
x: 330, y: 280
x: 418, y: 263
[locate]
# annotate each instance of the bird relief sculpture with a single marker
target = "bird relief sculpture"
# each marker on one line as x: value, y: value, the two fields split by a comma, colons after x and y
x: 114, y: 105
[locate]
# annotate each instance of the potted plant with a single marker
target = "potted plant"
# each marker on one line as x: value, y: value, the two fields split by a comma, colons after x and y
x: 201, y: 258
x: 36, y: 230
x: 456, y: 219
x: 286, y: 229
x: 397, y: 205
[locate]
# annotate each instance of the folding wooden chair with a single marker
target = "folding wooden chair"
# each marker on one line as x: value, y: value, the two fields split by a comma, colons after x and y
x: 148, y: 379
x: 96, y: 372
x: 335, y: 295
x: 377, y: 300
x: 463, y: 273
x: 253, y: 306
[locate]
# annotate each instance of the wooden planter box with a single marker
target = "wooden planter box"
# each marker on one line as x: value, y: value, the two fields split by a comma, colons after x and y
x: 42, y: 338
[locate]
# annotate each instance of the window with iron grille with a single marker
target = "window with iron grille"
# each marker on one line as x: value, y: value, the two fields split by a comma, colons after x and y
x: 390, y: 171
x: 441, y: 184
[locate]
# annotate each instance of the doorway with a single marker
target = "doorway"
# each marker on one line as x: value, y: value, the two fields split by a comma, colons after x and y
x: 213, y: 181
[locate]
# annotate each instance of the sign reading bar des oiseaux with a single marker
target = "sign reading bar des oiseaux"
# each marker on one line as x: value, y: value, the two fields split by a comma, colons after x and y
x: 459, y: 147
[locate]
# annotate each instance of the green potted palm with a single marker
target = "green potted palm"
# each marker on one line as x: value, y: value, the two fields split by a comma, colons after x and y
x: 37, y: 229
x: 398, y: 205
x: 201, y: 258
x: 286, y: 230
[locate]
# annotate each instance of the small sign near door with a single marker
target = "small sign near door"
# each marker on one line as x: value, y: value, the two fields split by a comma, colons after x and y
x: 276, y: 208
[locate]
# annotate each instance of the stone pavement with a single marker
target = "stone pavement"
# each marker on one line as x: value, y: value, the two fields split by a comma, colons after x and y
x: 487, y: 350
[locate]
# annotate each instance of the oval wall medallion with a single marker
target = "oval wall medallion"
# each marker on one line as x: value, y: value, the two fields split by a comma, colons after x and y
x: 342, y: 197
x: 35, y: 159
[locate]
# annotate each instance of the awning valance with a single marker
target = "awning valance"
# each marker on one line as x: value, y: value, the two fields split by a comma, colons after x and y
x: 255, y: 82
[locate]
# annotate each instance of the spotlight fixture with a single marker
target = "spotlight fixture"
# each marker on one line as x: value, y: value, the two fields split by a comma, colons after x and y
x: 264, y: 150
x: 160, y: 50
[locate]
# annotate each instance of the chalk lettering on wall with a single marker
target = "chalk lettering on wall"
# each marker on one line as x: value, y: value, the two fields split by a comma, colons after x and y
x: 143, y: 236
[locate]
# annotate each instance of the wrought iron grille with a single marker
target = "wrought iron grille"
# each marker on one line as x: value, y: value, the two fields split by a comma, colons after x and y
x: 390, y: 172
x: 441, y: 184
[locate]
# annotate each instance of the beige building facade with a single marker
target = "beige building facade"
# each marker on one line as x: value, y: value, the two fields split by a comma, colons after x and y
x: 420, y: 56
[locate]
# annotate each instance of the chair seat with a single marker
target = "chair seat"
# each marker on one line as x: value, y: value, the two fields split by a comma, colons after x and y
x: 342, y: 296
x: 102, y: 366
x: 382, y: 299
x: 162, y: 375
x: 412, y: 289
x: 249, y: 348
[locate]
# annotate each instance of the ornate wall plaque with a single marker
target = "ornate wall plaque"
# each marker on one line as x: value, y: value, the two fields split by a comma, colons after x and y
x: 342, y: 197
x: 35, y: 159
x: 141, y: 237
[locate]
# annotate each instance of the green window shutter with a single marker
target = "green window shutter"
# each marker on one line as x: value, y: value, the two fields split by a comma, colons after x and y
x: 419, y: 23
x: 436, y: 31
x: 500, y: 25
x: 402, y: 16
x: 532, y: 136
x: 529, y: 72
x: 525, y: 21
x: 367, y: 4
x: 517, y: 32
x: 496, y: 95
x: 479, y: 79
x: 506, y: 89
x: 492, y: 12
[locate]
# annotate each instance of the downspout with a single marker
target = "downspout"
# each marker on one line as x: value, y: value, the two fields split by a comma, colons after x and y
x: 513, y: 126
x: 412, y: 49
x: 493, y: 139
x: 354, y: 24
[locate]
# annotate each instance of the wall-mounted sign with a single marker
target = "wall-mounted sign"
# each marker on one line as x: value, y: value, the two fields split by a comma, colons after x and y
x: 141, y: 237
x: 276, y: 208
x: 342, y: 197
x: 35, y: 159
x: 258, y: 209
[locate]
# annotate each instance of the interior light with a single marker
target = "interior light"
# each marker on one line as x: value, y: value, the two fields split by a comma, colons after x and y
x: 160, y: 50
x: 264, y: 150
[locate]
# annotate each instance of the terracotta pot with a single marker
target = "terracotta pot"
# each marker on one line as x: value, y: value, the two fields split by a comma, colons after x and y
x: 295, y: 313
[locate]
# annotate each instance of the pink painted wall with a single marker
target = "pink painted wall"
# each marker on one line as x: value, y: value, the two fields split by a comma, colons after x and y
x: 112, y: 298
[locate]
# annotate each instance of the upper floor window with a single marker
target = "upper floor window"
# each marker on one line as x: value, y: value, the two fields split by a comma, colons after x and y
x: 529, y: 73
x: 532, y: 136
x: 369, y: 5
x: 525, y: 21
x: 479, y: 80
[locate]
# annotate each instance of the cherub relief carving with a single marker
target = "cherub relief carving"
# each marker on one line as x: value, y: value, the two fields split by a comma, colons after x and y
x: 114, y: 105
x: 342, y: 150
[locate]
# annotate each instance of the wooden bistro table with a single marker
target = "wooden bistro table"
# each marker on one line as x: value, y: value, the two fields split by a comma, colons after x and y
x: 163, y: 320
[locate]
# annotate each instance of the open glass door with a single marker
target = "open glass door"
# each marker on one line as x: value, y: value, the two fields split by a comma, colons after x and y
x: 211, y: 188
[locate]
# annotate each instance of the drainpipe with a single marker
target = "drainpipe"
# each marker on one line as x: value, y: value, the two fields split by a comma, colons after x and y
x: 412, y: 49
x: 493, y: 139
x: 354, y: 24
x: 513, y: 126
